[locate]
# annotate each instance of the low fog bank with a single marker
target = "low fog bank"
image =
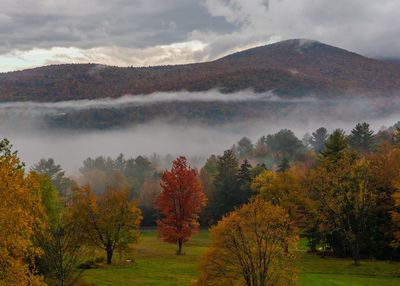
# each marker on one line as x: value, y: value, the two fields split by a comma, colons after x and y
x: 138, y: 100
x: 22, y: 124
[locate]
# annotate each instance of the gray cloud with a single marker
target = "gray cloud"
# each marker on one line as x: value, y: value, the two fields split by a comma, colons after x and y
x: 367, y: 27
x: 135, y: 32
x: 25, y: 24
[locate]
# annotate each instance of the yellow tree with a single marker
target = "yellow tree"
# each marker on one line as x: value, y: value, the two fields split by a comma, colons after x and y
x: 21, y: 213
x: 285, y: 189
x: 347, y: 193
x: 251, y: 246
x: 109, y: 220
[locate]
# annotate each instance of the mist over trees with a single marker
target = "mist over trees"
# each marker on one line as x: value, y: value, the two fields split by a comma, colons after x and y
x: 339, y: 191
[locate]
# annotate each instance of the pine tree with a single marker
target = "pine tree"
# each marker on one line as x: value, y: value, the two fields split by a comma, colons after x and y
x: 362, y: 138
x: 244, y: 180
x: 335, y: 144
x: 226, y: 185
x: 318, y: 139
x: 55, y: 173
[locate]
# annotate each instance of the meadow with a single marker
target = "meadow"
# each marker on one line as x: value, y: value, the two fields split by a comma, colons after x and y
x: 154, y: 262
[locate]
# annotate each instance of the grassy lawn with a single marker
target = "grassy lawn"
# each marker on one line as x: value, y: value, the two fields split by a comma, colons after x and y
x: 155, y: 263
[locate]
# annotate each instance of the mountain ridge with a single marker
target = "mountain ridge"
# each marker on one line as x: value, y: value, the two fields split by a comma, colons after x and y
x: 290, y: 68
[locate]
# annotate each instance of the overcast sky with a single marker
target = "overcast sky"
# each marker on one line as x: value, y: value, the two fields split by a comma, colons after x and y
x: 152, y: 32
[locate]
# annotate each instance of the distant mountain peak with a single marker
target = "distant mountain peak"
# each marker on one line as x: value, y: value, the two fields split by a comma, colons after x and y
x: 293, y: 67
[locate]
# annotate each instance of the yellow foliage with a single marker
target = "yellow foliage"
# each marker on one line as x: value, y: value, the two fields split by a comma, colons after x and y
x: 21, y: 214
x: 109, y: 221
x: 285, y: 189
x: 251, y: 246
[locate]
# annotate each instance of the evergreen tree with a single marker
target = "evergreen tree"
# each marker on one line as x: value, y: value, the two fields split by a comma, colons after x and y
x: 336, y: 143
x: 55, y: 173
x: 318, y: 139
x: 362, y: 138
x: 210, y: 167
x: 284, y: 165
x: 284, y: 142
x: 244, y: 180
x: 226, y: 185
x: 244, y: 148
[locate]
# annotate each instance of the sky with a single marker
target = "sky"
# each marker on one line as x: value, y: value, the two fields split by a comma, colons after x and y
x: 158, y: 32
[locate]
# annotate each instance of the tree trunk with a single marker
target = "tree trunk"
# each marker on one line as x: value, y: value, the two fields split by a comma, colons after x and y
x: 109, y: 255
x: 356, y: 253
x: 179, y: 247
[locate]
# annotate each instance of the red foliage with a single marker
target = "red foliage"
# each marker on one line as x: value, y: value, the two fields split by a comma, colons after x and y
x: 180, y: 203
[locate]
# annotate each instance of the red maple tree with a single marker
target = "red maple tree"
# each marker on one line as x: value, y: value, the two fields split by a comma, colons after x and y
x: 180, y: 203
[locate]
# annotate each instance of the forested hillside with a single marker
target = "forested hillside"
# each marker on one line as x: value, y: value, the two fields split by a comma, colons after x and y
x: 290, y: 68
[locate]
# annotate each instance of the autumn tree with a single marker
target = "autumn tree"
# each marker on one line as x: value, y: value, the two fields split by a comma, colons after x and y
x: 252, y: 245
x: 21, y: 214
x: 385, y: 168
x: 284, y: 189
x: 180, y: 203
x: 396, y: 217
x: 347, y: 194
x: 61, y: 239
x: 109, y: 220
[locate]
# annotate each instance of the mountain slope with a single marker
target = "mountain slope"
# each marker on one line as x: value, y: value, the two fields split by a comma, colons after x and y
x: 290, y: 68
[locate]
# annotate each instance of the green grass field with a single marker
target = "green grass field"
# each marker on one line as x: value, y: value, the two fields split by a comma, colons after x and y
x: 155, y: 263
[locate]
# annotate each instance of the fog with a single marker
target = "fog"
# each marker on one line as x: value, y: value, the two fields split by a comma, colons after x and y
x: 137, y: 100
x: 22, y: 123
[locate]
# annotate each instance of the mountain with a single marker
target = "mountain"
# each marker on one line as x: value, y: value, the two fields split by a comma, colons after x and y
x: 291, y: 68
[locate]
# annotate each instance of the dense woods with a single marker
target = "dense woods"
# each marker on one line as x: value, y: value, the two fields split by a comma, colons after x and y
x: 341, y: 192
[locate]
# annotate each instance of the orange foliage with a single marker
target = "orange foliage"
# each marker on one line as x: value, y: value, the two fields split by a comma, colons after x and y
x: 180, y: 202
x: 21, y: 213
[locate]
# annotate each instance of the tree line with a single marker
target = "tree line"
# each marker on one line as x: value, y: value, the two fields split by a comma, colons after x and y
x: 341, y: 192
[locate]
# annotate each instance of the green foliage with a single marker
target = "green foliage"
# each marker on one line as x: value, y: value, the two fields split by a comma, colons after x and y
x: 284, y: 165
x: 318, y: 139
x: 336, y: 143
x: 284, y: 142
x: 362, y: 138
x: 244, y: 148
x: 103, y: 172
x: 55, y: 173
x: 227, y: 189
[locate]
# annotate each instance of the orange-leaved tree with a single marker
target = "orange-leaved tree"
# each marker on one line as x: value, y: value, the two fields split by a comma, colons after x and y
x: 252, y: 245
x: 109, y: 220
x: 180, y: 203
x: 21, y: 214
